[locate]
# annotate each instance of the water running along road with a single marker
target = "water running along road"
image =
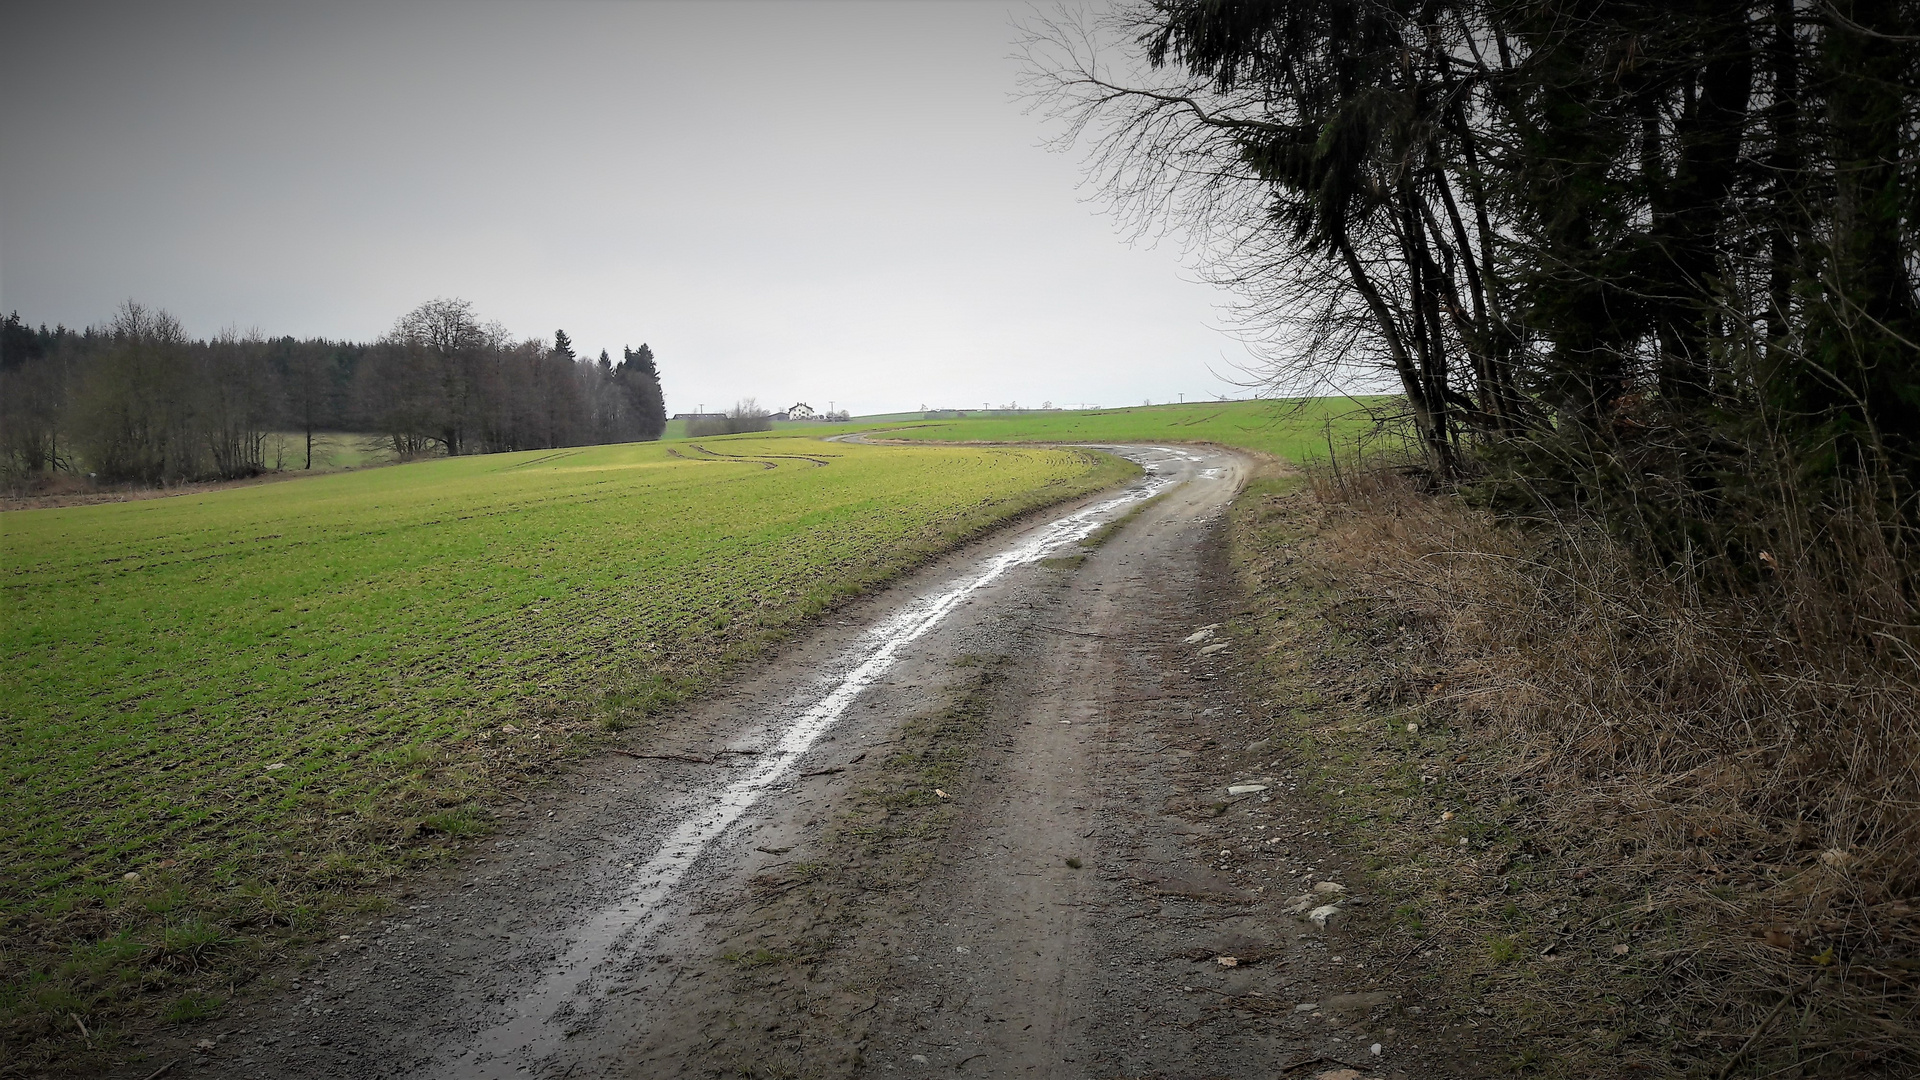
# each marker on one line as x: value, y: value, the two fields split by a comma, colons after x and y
x: 702, y: 915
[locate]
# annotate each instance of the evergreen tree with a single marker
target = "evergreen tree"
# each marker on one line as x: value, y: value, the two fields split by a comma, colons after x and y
x: 646, y: 404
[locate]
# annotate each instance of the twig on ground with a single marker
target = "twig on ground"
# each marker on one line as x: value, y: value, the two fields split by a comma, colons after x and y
x: 661, y: 757
x: 1727, y: 1069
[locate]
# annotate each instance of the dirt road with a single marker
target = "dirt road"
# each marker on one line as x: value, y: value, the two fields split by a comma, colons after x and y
x: 1003, y: 818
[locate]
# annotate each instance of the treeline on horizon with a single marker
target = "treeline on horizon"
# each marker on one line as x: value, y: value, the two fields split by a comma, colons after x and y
x: 136, y: 400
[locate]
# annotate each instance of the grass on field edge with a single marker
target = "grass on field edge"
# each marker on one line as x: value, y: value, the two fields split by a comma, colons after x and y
x: 82, y: 992
x: 1577, y: 877
x: 332, y: 454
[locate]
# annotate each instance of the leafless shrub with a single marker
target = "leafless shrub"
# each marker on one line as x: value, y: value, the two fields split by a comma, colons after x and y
x: 746, y: 415
x: 1746, y: 764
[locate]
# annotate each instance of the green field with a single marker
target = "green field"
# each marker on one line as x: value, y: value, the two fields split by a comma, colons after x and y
x: 1295, y: 430
x: 261, y: 699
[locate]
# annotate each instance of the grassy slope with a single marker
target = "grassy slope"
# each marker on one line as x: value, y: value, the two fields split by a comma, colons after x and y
x: 254, y: 696
x: 1293, y: 430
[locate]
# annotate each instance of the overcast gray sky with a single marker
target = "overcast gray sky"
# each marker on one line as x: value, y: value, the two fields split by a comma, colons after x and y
x: 792, y: 200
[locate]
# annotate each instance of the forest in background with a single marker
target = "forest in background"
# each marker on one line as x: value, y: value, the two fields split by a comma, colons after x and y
x: 138, y: 401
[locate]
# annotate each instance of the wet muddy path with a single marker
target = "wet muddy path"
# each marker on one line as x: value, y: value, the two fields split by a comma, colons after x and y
x: 779, y: 889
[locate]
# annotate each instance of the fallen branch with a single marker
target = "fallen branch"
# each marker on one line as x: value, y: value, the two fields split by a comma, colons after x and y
x: 664, y: 757
x: 1727, y: 1069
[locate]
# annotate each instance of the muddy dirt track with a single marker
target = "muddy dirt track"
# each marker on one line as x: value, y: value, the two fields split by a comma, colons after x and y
x: 981, y: 823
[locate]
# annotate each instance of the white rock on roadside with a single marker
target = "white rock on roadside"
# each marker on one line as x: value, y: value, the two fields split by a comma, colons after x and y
x: 1246, y: 789
x: 1325, y: 887
x: 1198, y: 636
x: 1319, y: 916
x: 1211, y: 649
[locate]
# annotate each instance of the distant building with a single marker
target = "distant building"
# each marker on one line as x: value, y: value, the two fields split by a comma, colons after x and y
x: 801, y: 411
x: 699, y: 416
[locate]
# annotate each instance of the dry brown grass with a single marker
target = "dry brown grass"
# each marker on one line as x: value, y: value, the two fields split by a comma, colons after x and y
x: 1728, y: 787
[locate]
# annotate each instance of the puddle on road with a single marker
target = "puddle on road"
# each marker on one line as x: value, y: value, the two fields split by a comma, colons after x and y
x: 539, y: 1021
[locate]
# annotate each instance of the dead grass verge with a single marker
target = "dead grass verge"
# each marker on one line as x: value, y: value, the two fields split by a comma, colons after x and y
x: 1645, y: 833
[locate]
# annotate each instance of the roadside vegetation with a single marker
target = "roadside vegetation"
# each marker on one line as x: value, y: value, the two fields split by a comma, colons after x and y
x: 228, y: 714
x: 1615, y: 826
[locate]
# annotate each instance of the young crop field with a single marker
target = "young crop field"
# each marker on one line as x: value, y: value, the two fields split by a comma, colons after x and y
x: 224, y: 713
x: 1295, y: 430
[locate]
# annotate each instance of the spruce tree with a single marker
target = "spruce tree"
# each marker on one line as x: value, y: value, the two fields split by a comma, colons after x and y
x: 646, y: 404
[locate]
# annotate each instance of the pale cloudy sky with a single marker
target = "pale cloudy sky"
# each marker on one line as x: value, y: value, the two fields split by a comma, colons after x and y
x: 791, y: 200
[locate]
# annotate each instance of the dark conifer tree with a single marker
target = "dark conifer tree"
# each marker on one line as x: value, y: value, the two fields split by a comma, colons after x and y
x: 640, y: 383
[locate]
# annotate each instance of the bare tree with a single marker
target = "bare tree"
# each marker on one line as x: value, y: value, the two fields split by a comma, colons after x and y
x: 236, y: 400
x: 444, y: 337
